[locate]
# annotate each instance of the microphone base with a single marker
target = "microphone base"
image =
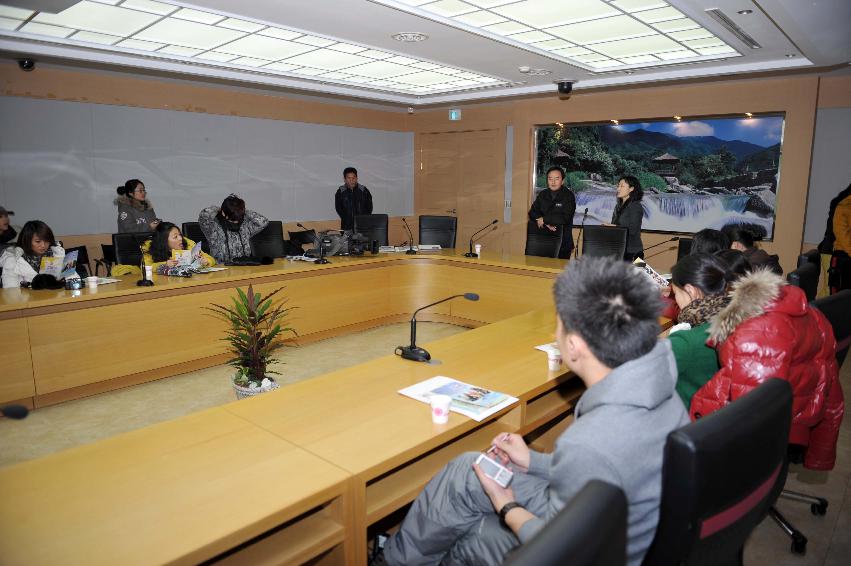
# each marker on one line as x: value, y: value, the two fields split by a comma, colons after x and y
x: 144, y: 283
x: 471, y: 254
x: 411, y: 251
x: 414, y: 353
x: 321, y: 261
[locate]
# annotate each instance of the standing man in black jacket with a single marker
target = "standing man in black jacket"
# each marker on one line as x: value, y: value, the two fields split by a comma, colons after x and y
x: 351, y: 199
x: 553, y: 210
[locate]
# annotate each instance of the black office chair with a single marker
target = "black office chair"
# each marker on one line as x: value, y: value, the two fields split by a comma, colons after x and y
x: 837, y: 309
x: 192, y: 230
x: 438, y: 230
x: 811, y: 256
x: 302, y: 238
x: 108, y: 259
x: 720, y: 475
x: 84, y: 267
x: 269, y: 242
x: 373, y: 227
x: 604, y: 241
x: 805, y: 277
x: 589, y: 531
x: 683, y: 247
x: 127, y: 247
x: 541, y: 242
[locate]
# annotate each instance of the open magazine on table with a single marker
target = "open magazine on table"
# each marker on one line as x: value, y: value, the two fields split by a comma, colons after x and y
x: 472, y: 401
x: 61, y: 267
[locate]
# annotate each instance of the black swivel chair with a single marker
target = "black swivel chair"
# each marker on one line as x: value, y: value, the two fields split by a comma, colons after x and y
x: 84, y: 267
x: 373, y: 227
x: 811, y: 256
x: 683, y: 247
x: 301, y: 238
x: 108, y: 259
x: 192, y: 230
x: 438, y: 230
x: 720, y: 475
x: 837, y: 309
x: 542, y: 242
x: 127, y: 247
x: 604, y: 241
x: 269, y: 242
x: 805, y: 277
x: 589, y: 531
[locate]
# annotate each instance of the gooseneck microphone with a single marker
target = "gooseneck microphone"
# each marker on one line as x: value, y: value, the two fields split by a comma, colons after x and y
x: 411, y: 250
x: 144, y: 281
x: 668, y: 241
x: 579, y: 235
x: 317, y: 241
x: 414, y: 352
x: 473, y: 237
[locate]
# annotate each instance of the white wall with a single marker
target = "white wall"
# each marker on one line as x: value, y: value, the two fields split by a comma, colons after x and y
x: 830, y: 171
x: 61, y: 162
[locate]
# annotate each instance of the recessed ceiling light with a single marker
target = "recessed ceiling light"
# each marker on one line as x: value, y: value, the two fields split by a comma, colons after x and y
x: 539, y: 72
x: 409, y: 36
x: 745, y: 12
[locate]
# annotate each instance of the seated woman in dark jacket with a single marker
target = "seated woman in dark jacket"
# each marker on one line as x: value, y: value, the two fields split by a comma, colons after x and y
x: 629, y: 213
x: 744, y: 240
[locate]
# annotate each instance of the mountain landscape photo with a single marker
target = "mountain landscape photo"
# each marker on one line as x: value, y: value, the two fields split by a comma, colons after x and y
x: 696, y: 174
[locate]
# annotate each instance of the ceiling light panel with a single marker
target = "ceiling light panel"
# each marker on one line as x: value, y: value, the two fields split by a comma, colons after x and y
x: 163, y: 30
x: 620, y: 33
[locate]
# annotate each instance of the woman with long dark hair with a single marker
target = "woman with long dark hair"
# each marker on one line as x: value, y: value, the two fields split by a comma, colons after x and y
x: 135, y: 213
x: 629, y: 213
x: 744, y: 240
x: 21, y: 263
x: 158, y: 251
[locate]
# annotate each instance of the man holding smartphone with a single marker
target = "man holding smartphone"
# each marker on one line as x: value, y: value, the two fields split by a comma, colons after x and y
x: 607, y: 332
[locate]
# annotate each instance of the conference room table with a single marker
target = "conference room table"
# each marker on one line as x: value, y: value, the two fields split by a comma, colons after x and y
x: 301, y: 473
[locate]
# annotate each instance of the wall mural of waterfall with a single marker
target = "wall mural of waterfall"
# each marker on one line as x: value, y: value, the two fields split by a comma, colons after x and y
x: 703, y: 173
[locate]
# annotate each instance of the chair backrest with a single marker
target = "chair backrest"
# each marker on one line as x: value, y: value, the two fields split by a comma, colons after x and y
x: 589, y: 531
x: 82, y: 260
x: 438, y: 230
x: 837, y: 310
x: 805, y: 277
x: 683, y: 247
x: 192, y: 230
x: 542, y: 242
x: 720, y: 475
x: 811, y: 256
x: 604, y: 241
x: 108, y: 251
x: 126, y: 246
x: 269, y: 242
x: 303, y: 237
x: 373, y: 227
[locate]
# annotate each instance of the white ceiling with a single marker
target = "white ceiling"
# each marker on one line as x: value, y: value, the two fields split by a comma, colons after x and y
x: 345, y: 47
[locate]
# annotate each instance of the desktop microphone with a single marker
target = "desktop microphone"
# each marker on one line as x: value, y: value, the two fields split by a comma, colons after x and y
x: 411, y: 250
x: 674, y: 239
x: 144, y: 281
x: 16, y: 412
x: 579, y: 235
x: 415, y: 353
x: 470, y: 253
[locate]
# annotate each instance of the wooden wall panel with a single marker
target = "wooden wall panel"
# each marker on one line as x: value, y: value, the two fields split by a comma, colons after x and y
x: 16, y: 381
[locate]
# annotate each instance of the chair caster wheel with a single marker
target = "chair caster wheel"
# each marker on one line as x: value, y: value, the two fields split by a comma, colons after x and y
x: 819, y: 508
x: 799, y: 544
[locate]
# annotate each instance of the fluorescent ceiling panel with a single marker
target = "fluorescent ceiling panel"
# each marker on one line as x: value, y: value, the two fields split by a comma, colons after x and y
x: 149, y: 6
x: 546, y: 13
x: 180, y: 50
x: 480, y: 18
x: 250, y: 62
x: 100, y: 38
x: 315, y: 41
x: 637, y: 46
x: 141, y: 45
x: 532, y: 36
x: 197, y: 16
x: 240, y: 25
x: 347, y: 48
x: 264, y: 48
x: 659, y: 15
x: 216, y: 56
x: 676, y: 25
x: 327, y: 60
x: 450, y: 8
x: 15, y: 13
x: 607, y: 29
x: 281, y: 66
x: 99, y: 18
x: 36, y: 28
x: 279, y: 33
x: 507, y: 28
x: 188, y: 34
x: 673, y: 55
x: 9, y: 24
x: 636, y: 5
x: 381, y: 70
x: 424, y: 78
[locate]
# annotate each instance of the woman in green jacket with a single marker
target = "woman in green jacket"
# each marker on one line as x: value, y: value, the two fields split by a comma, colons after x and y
x: 699, y: 283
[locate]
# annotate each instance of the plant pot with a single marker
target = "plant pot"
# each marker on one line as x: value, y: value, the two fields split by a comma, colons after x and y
x: 243, y: 392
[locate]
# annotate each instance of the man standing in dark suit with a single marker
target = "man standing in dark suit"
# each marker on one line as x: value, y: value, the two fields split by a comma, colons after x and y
x: 553, y: 210
x: 351, y: 199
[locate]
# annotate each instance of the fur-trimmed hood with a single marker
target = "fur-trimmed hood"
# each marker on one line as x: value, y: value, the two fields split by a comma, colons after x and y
x: 751, y: 297
x: 137, y: 204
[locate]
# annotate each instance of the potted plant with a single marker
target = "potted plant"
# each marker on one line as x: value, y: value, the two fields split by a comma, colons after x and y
x: 254, y: 332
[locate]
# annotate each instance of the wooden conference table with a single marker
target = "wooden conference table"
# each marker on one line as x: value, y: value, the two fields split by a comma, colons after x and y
x: 293, y: 475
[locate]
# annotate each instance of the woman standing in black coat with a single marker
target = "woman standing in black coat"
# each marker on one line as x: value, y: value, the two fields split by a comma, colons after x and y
x: 629, y: 213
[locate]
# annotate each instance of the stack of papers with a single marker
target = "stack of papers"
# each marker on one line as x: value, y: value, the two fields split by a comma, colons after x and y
x: 469, y: 400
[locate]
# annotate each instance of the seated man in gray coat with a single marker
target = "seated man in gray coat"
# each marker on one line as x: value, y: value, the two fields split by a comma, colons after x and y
x: 607, y: 332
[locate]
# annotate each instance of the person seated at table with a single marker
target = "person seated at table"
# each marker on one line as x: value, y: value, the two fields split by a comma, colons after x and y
x: 709, y: 241
x: 769, y: 329
x: 21, y: 263
x: 607, y: 330
x: 157, y: 251
x: 699, y: 285
x: 135, y: 213
x: 8, y: 233
x: 230, y: 227
x: 744, y: 240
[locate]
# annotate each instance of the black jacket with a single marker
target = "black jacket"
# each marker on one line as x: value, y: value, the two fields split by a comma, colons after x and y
x: 351, y: 202
x: 630, y: 216
x: 555, y: 207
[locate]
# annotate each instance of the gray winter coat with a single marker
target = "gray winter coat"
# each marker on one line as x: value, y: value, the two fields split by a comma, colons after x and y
x: 134, y: 215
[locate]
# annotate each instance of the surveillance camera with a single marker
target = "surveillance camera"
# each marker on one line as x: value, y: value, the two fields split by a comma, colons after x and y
x: 565, y: 86
x: 26, y: 64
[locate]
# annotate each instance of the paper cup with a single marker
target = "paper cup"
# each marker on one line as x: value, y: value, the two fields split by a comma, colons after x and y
x: 92, y: 282
x: 554, y: 361
x: 478, y: 249
x: 440, y: 408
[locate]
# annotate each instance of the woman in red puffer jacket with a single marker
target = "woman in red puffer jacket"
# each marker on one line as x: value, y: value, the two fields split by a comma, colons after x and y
x: 769, y: 330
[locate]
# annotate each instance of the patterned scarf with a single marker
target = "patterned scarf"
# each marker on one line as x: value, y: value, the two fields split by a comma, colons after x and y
x: 35, y: 260
x: 702, y: 310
